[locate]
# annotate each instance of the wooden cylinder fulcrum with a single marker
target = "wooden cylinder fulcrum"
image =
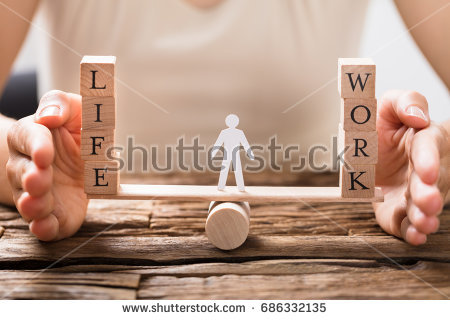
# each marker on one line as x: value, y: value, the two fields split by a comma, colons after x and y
x: 228, y: 224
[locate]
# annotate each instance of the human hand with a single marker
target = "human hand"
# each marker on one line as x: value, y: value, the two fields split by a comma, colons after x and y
x: 45, y: 170
x: 411, y: 169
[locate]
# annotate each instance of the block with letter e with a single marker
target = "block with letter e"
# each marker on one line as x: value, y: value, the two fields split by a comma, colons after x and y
x: 357, y: 180
x: 101, y: 177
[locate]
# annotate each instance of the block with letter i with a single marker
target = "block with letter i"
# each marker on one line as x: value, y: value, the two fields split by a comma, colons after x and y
x: 98, y: 120
x: 358, y: 138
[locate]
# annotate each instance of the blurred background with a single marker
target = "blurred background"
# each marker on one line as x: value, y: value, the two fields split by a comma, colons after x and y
x: 383, y: 27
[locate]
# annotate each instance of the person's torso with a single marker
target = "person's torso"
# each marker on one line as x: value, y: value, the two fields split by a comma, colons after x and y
x: 182, y: 69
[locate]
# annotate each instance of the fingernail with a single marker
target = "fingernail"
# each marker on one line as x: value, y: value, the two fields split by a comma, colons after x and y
x: 416, y: 112
x: 50, y: 111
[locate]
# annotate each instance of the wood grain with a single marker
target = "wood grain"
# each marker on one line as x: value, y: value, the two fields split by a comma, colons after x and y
x: 53, y: 285
x: 295, y: 249
x: 364, y: 285
x: 21, y: 246
x: 251, y: 194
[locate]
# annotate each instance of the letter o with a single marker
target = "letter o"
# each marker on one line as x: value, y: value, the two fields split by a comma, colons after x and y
x: 352, y: 114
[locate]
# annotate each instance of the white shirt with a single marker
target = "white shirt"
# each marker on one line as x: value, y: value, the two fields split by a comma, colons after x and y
x: 181, y: 69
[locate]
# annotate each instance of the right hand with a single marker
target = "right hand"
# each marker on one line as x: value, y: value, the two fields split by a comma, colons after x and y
x: 44, y: 168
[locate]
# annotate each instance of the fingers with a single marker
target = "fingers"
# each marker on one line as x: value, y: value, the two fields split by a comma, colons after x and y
x: 426, y: 197
x: 32, y: 208
x: 32, y: 140
x: 411, y: 234
x: 58, y: 108
x: 399, y: 107
x: 422, y: 223
x: 427, y: 147
x: 45, y: 229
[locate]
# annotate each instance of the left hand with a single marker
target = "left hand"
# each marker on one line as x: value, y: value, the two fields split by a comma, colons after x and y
x: 411, y: 169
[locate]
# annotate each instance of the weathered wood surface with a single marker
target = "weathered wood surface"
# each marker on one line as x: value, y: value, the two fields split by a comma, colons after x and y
x: 157, y: 249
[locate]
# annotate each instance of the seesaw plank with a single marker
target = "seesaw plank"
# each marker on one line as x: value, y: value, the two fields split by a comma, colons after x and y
x: 251, y: 194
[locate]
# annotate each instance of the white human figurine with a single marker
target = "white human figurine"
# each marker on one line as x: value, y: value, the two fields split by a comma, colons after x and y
x: 232, y: 139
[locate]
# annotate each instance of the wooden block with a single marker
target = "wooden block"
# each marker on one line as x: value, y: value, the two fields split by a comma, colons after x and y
x: 362, y: 146
x: 359, y: 114
x: 101, y: 177
x: 98, y: 113
x: 252, y: 194
x: 228, y: 224
x: 356, y: 78
x: 96, y: 143
x: 357, y: 181
x: 97, y: 76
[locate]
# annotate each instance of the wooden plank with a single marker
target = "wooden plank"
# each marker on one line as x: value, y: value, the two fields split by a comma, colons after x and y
x: 53, y: 285
x: 251, y: 194
x: 278, y: 267
x: 22, y: 247
x: 258, y: 267
x: 364, y: 285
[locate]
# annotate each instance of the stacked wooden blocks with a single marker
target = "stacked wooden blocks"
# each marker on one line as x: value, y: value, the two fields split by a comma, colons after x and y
x: 357, y: 128
x: 97, y: 89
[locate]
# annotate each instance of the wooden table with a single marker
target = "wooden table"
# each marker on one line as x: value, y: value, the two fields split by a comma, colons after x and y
x: 158, y: 250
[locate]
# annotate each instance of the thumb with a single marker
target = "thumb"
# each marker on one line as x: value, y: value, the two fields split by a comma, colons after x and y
x: 401, y: 107
x: 58, y: 108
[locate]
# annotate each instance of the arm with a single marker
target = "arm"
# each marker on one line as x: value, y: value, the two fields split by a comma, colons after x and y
x: 11, y: 39
x: 446, y: 126
x: 429, y: 22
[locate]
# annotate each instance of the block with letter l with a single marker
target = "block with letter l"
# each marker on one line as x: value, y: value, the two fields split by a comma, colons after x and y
x: 97, y: 76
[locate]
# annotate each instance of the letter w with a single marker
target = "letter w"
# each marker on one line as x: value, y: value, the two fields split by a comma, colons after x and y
x: 358, y: 79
